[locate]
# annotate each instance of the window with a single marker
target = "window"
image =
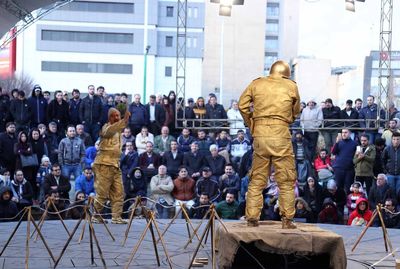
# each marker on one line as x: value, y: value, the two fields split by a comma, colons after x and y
x: 168, y: 41
x: 272, y: 9
x: 86, y: 6
x: 271, y: 43
x: 272, y: 26
x: 87, y: 67
x: 195, y: 12
x: 168, y: 71
x: 170, y: 11
x: 96, y: 37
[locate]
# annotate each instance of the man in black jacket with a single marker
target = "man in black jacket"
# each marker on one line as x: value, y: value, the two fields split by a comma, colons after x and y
x: 350, y: 113
x: 156, y: 116
x: 215, y: 111
x: 172, y: 159
x: 330, y: 112
x: 55, y: 181
x: 21, y: 112
x: 74, y: 105
x: 38, y: 106
x: 7, y: 141
x: 90, y: 112
x: 194, y: 161
x: 5, y: 115
x: 391, y: 162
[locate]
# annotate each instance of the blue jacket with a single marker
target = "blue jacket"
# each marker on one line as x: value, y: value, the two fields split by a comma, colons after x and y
x: 87, y: 186
x: 370, y: 112
x: 90, y: 155
x: 139, y: 115
x: 38, y: 107
x: 344, y: 151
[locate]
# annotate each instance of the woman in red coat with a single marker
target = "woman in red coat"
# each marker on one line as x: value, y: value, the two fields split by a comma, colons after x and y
x: 362, y: 215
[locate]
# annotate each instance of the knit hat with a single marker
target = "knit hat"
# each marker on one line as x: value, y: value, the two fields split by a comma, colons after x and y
x: 331, y: 185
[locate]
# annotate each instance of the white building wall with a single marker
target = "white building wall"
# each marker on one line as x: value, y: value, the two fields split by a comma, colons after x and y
x: 349, y: 85
x: 165, y: 84
x: 289, y: 29
x: 313, y: 79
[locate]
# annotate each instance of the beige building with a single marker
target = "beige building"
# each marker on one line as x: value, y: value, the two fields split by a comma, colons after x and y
x: 242, y: 49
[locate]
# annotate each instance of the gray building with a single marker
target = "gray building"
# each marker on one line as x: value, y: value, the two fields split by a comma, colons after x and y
x: 371, y: 75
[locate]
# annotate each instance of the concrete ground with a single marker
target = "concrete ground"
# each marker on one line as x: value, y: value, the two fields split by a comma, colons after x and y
x: 370, y: 250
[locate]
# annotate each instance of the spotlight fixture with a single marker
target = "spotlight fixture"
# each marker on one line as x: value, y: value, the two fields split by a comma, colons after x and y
x: 350, y: 5
x: 228, y: 2
x: 225, y: 10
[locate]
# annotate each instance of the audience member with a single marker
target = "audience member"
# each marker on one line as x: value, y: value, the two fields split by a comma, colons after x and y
x: 228, y: 208
x: 215, y: 161
x: 149, y: 161
x: 142, y: 138
x: 200, y: 208
x: 185, y: 140
x: 356, y: 192
x: 161, y: 186
x: 344, y: 150
x: 7, y: 141
x: 56, y: 181
x: 380, y: 191
x: 194, y: 161
x: 22, y: 190
x: 8, y: 208
x: 361, y: 215
x: 364, y: 160
x: 85, y: 182
x: 173, y: 159
x: 391, y: 217
x: 156, y: 115
x: 388, y: 133
x: 162, y: 143
x: 184, y: 190
x: 391, y: 162
x: 207, y: 184
x: 139, y: 116
x: 229, y: 182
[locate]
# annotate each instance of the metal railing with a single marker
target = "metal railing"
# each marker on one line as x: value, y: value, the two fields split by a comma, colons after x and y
x: 329, y: 124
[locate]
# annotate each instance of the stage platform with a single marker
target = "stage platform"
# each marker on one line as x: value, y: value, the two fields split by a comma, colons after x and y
x: 370, y: 250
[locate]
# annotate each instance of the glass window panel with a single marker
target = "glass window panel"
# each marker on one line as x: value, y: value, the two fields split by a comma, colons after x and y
x: 53, y: 35
x: 168, y: 71
x: 168, y: 41
x: 170, y: 11
x: 87, y: 67
x: 100, y: 7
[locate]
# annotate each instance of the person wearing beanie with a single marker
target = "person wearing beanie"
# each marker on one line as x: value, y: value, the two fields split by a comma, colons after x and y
x: 108, y: 184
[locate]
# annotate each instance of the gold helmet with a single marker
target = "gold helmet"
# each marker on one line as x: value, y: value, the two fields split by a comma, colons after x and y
x: 280, y: 68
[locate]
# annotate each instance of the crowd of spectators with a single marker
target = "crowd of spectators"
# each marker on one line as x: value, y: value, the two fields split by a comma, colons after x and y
x: 48, y: 145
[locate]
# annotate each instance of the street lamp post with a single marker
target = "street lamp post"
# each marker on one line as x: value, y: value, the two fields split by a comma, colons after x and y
x: 145, y: 74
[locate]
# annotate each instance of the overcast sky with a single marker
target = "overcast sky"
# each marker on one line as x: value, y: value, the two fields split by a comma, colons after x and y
x: 329, y: 31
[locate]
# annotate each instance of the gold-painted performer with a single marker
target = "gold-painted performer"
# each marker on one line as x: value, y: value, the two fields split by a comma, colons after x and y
x: 268, y: 105
x: 108, y: 179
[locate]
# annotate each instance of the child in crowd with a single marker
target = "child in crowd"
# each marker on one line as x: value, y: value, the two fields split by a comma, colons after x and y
x: 362, y: 215
x: 44, y: 170
x: 356, y: 191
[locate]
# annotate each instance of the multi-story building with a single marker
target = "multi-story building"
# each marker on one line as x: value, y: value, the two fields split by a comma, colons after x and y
x: 104, y: 43
x: 371, y: 75
x: 281, y: 31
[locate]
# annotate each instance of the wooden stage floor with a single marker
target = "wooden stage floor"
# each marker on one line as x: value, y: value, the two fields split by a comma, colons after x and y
x: 370, y: 250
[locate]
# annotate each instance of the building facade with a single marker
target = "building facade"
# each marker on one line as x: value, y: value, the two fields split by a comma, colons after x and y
x: 104, y: 43
x: 281, y: 31
x: 371, y: 76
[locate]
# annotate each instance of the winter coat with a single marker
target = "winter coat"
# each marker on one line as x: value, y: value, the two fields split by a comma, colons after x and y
x: 21, y: 111
x: 90, y: 110
x: 161, y: 189
x: 193, y: 162
x: 129, y: 162
x: 8, y: 208
x: 74, y: 106
x: 378, y: 195
x: 344, y: 151
x: 139, y: 116
x: 365, y: 167
x: 357, y: 213
x: 38, y: 107
x: 71, y: 151
x: 353, y: 116
x: 332, y: 113
x: 63, y: 186
x: 391, y: 160
x: 184, y: 143
x: 329, y: 213
x: 22, y: 191
x: 58, y: 113
x: 172, y: 163
x: 217, y: 164
x: 184, y: 189
x: 7, y: 154
x: 133, y: 186
x: 84, y: 185
x: 370, y: 113
x: 5, y: 115
x: 159, y: 144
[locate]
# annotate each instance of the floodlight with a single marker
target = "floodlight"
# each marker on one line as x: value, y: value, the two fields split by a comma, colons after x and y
x: 350, y: 5
x: 225, y: 10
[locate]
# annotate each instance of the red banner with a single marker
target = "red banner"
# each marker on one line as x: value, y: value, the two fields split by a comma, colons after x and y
x: 8, y: 58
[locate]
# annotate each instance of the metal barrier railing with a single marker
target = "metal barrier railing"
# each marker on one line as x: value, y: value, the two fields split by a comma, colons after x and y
x: 328, y: 124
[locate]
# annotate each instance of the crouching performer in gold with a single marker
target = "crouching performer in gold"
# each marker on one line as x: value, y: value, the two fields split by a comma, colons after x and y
x: 108, y: 179
x: 268, y: 106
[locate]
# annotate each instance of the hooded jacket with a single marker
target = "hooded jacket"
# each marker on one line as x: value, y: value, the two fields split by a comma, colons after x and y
x: 8, y: 208
x: 357, y: 213
x: 38, y: 107
x: 23, y: 191
x: 135, y: 186
x: 21, y: 111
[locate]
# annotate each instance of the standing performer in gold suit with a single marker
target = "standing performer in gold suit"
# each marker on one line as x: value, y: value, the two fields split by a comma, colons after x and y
x: 268, y: 106
x: 108, y: 179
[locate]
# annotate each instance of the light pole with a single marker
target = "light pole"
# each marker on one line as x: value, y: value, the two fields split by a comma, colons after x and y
x: 145, y: 73
x: 225, y: 10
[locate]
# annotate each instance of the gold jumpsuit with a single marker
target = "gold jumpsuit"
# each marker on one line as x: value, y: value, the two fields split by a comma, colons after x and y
x: 108, y: 178
x: 268, y: 106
